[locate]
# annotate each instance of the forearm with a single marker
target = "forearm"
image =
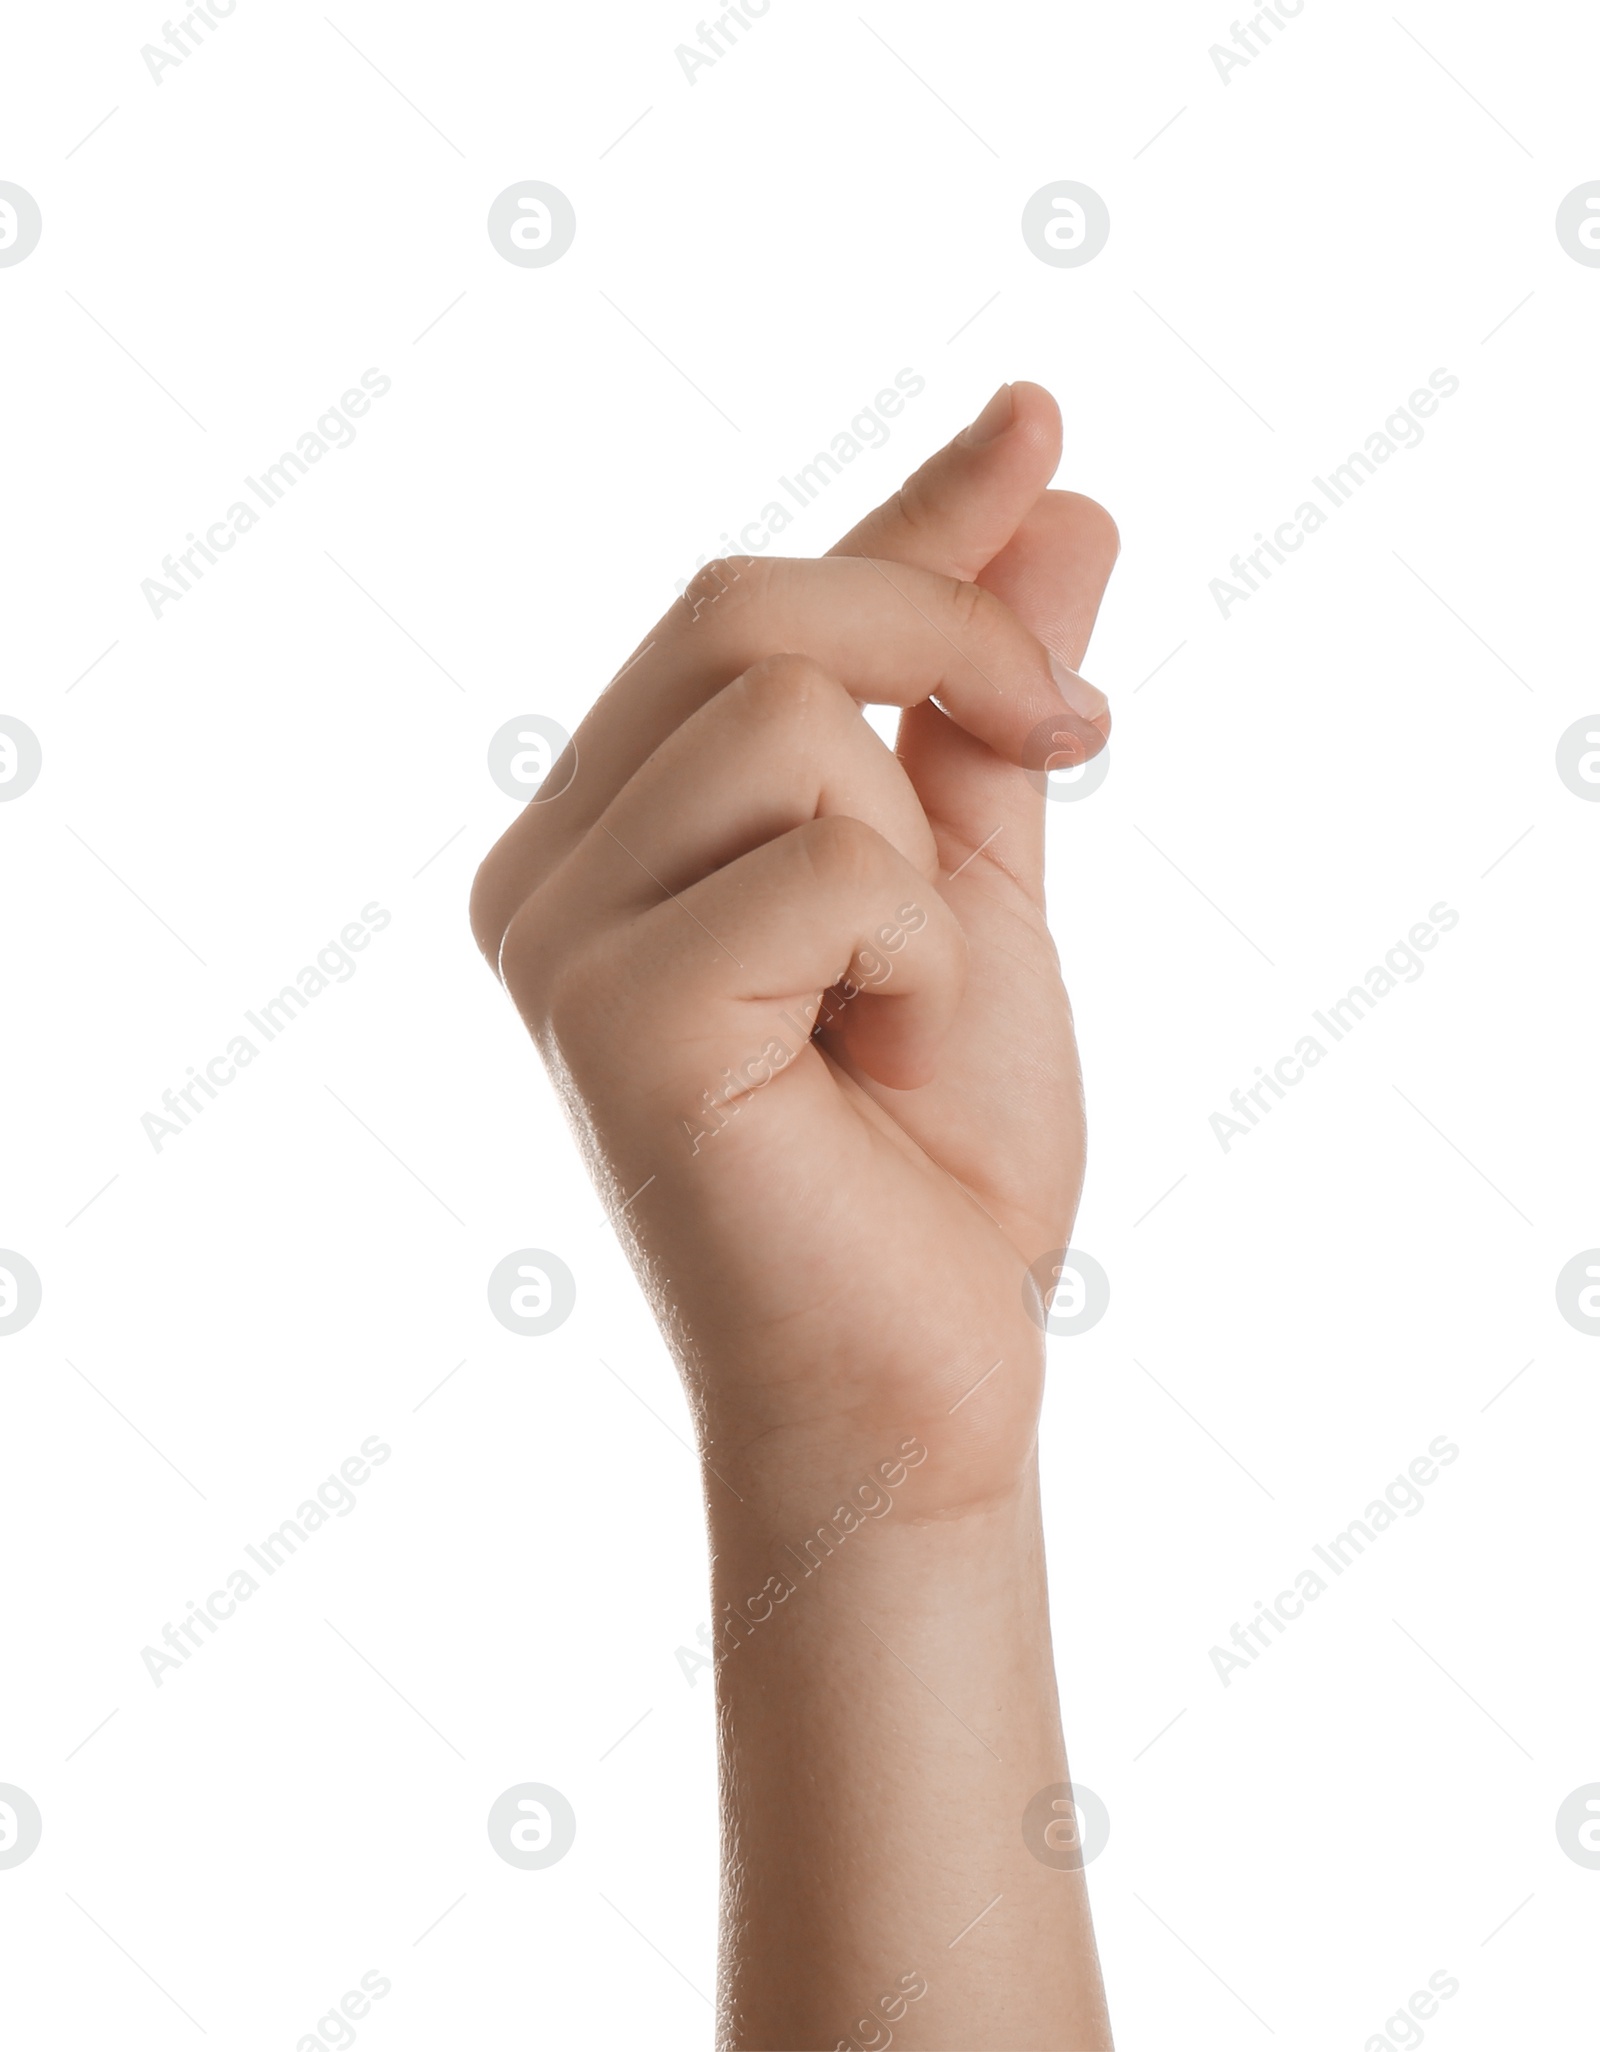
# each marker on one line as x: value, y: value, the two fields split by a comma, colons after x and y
x: 841, y: 1232
x: 884, y: 1724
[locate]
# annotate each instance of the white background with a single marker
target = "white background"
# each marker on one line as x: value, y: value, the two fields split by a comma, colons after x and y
x: 305, y: 732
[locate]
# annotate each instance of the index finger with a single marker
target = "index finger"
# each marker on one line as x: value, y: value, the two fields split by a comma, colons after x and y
x: 960, y: 509
x: 891, y: 633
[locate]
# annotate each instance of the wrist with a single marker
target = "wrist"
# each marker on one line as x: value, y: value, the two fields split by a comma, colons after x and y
x: 939, y: 1440
x: 861, y: 1541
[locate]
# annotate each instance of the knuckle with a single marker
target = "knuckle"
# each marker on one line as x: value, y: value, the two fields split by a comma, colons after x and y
x: 790, y: 689
x: 574, y: 990
x: 483, y: 912
x: 973, y: 608
x: 911, y: 504
x: 498, y: 891
x: 512, y: 871
x: 725, y: 583
x: 845, y: 850
x: 531, y: 961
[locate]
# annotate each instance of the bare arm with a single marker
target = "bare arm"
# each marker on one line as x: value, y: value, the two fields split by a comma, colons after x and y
x: 799, y: 995
x: 883, y: 1732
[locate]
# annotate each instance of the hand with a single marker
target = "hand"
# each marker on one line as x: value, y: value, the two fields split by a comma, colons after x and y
x: 834, y: 1231
x: 801, y: 1001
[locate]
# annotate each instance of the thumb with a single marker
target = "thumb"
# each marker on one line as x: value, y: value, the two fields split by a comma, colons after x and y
x: 958, y: 512
x: 1053, y: 571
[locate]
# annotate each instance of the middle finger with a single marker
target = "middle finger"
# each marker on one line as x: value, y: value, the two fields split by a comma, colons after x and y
x: 891, y: 633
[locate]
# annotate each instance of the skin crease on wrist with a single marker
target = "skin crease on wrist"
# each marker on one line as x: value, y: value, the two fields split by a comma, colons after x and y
x: 799, y: 997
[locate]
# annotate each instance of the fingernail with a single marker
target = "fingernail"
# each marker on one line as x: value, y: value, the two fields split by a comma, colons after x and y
x: 992, y: 423
x: 1085, y: 700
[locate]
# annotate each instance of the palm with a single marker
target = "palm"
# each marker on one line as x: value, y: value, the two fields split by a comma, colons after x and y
x: 1003, y: 1117
x: 833, y: 1249
x: 921, y: 1209
x: 933, y: 1203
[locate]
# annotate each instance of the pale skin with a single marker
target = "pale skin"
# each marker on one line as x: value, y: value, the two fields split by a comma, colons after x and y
x: 834, y: 1227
